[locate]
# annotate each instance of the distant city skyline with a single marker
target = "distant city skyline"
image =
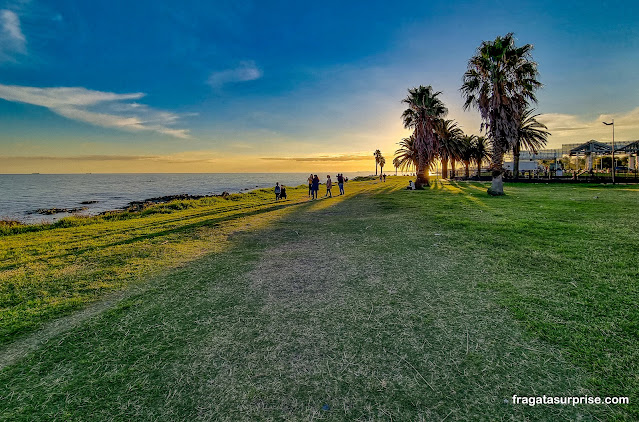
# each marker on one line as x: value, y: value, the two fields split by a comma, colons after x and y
x: 159, y: 86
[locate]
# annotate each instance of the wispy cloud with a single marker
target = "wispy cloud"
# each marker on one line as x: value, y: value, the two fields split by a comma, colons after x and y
x: 246, y: 71
x: 12, y: 40
x: 82, y: 157
x: 322, y: 158
x: 570, y: 128
x: 188, y: 157
x: 105, y: 109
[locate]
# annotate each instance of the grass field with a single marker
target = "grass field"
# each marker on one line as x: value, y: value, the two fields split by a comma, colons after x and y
x: 385, y: 304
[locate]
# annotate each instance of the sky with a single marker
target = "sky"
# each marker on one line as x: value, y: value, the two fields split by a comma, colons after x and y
x: 279, y: 86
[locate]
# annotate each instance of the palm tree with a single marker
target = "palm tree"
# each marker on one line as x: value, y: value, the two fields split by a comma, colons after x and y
x: 467, y: 152
x: 449, y: 135
x: 532, y: 136
x: 377, y: 154
x: 406, y: 155
x: 480, y: 152
x: 382, y: 163
x: 396, y: 164
x: 424, y: 108
x: 500, y: 81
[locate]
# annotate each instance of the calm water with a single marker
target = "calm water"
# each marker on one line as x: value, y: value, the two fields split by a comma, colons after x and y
x: 21, y: 194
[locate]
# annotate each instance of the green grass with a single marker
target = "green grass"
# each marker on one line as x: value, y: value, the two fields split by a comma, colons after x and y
x: 51, y: 270
x: 384, y: 305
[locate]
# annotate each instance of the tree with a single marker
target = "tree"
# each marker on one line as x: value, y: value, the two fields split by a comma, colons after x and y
x: 449, y: 135
x: 406, y: 155
x: 377, y: 154
x: 382, y: 163
x: 480, y: 152
x: 567, y: 164
x: 466, y: 142
x: 424, y: 108
x: 500, y: 82
x: 532, y: 136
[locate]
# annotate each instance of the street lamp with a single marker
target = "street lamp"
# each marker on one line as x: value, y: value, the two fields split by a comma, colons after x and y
x: 613, y: 148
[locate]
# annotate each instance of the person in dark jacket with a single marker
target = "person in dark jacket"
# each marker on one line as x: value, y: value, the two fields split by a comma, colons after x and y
x: 340, y: 183
x: 315, y: 186
x: 278, y: 191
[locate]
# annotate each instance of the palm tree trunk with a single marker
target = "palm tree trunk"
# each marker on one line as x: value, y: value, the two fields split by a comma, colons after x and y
x: 497, y: 168
x: 452, y: 168
x: 445, y: 169
x: 422, y: 176
x: 467, y: 165
x: 375, y: 168
x: 516, y: 149
x: 478, y: 168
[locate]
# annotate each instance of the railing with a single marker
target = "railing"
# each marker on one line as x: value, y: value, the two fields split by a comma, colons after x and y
x: 567, y: 176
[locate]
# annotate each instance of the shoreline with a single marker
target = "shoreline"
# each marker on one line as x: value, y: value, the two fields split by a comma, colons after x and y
x: 58, y: 213
x: 49, y: 198
x: 132, y: 207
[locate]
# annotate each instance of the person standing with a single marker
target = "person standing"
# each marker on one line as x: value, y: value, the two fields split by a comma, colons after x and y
x: 315, y: 186
x: 310, y: 185
x: 329, y: 186
x: 278, y: 190
x: 340, y: 183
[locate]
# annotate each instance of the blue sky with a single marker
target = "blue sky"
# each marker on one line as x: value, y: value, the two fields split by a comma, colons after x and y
x: 221, y: 85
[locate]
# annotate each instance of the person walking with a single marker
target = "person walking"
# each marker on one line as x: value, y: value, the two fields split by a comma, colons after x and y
x: 310, y: 185
x: 315, y: 186
x: 340, y: 183
x: 329, y: 186
x: 278, y: 190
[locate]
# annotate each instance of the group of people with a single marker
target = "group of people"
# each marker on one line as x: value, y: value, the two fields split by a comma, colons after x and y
x: 314, y: 182
x: 280, y: 191
x: 313, y: 187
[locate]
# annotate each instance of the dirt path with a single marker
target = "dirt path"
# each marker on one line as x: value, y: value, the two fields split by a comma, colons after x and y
x: 349, y: 314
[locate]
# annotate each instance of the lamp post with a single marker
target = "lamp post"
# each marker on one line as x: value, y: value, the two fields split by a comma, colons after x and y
x: 613, y: 148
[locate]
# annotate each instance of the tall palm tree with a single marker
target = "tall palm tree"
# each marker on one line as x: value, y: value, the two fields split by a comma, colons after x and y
x: 532, y: 136
x: 467, y: 152
x: 382, y: 163
x: 377, y: 154
x: 500, y: 82
x: 406, y: 155
x: 449, y: 135
x: 424, y: 108
x: 480, y: 152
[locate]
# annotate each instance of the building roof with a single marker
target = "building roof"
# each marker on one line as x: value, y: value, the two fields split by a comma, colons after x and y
x: 591, y: 147
x: 632, y: 148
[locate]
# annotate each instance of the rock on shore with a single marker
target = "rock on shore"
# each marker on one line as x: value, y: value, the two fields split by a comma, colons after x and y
x: 51, y: 211
x: 140, y: 205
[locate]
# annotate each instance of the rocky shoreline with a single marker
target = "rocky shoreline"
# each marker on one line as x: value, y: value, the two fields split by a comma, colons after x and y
x: 51, y: 211
x: 134, y: 206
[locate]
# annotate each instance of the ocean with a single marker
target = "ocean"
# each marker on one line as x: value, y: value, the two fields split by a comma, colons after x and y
x: 22, y: 194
